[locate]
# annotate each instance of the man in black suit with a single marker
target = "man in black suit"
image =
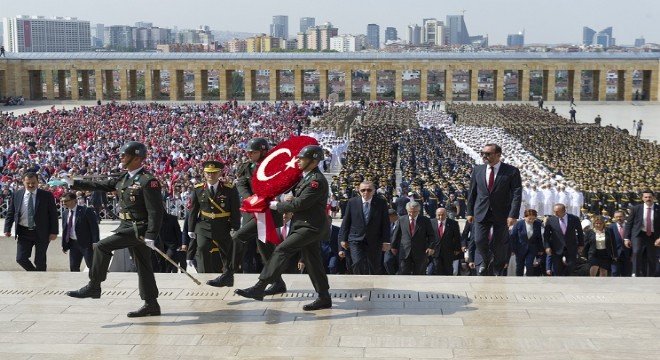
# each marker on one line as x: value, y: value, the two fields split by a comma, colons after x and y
x: 365, y: 230
x: 643, y: 234
x: 80, y: 229
x: 563, y: 240
x: 35, y: 214
x: 413, y: 241
x: 391, y: 261
x: 494, y: 200
x: 401, y: 202
x: 170, y: 237
x: 448, y: 242
x: 622, y: 265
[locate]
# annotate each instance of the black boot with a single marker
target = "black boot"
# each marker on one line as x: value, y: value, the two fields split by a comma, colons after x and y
x: 322, y: 302
x: 88, y: 291
x: 226, y: 279
x: 150, y: 308
x: 278, y: 287
x: 255, y: 292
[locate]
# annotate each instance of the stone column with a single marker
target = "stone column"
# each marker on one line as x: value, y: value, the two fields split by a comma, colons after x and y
x: 348, y: 85
x: 156, y: 85
x: 176, y: 85
x: 50, y: 85
x: 201, y: 84
x: 61, y: 81
x: 499, y: 84
x: 274, y: 84
x: 148, y: 85
x: 75, y: 95
x: 646, y: 84
x: 298, y: 84
x: 525, y: 85
x: 85, y: 84
x: 132, y: 84
x: 98, y: 83
x: 123, y: 85
x: 600, y: 85
x: 398, y: 85
x: 653, y: 85
x: 373, y: 84
x: 424, y: 84
x: 224, y: 82
x: 449, y: 86
x: 474, y: 85
x: 620, y: 84
x: 550, y: 79
x: 109, y: 85
x: 250, y: 82
x: 577, y: 81
x: 323, y: 84
x: 628, y: 88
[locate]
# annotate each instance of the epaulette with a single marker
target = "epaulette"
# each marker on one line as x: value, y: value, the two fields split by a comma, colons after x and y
x: 199, y: 185
x: 228, y: 185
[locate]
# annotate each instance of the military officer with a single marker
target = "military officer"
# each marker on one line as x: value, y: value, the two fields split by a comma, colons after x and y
x: 309, y: 226
x: 257, y: 150
x: 214, y: 212
x: 141, y: 215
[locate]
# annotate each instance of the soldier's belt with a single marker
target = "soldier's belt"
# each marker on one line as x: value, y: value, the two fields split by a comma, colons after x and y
x: 212, y: 215
x: 125, y: 216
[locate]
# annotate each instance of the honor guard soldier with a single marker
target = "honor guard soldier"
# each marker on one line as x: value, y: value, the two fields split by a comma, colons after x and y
x: 309, y: 226
x: 139, y: 195
x: 214, y: 212
x: 257, y: 150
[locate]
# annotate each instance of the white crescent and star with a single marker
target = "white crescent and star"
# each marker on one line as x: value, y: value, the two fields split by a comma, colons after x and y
x: 261, y: 175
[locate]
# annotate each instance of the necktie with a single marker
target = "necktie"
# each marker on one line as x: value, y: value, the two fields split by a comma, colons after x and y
x: 440, y: 229
x: 69, y: 226
x: 412, y: 226
x: 284, y: 231
x: 491, y: 179
x: 30, y: 209
x: 562, y: 224
x: 212, y: 191
x: 365, y: 211
x: 648, y: 222
x: 621, y: 231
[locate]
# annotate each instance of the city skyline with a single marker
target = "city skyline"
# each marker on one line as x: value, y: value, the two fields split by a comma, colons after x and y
x: 547, y: 25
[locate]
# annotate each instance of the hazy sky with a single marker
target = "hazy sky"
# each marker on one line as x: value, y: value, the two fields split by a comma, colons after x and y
x: 558, y: 21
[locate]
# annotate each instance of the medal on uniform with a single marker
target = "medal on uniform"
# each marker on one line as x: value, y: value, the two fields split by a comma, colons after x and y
x: 132, y: 198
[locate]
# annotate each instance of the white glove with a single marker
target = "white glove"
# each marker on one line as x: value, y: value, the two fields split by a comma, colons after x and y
x: 192, y: 235
x: 273, y: 205
x: 67, y: 178
x: 150, y: 243
x: 190, y: 263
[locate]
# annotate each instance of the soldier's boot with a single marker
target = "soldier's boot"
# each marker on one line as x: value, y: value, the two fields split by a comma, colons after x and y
x: 278, y: 287
x: 150, y: 308
x: 255, y: 292
x: 88, y: 291
x: 322, y: 302
x: 226, y: 279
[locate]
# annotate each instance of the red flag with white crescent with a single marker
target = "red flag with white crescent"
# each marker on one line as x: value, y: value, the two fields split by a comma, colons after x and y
x: 276, y: 173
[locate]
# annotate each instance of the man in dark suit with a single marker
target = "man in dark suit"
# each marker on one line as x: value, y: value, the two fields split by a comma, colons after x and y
x: 171, y: 239
x: 309, y: 227
x: 622, y: 265
x: 80, y: 229
x: 494, y: 200
x: 563, y: 239
x: 643, y: 234
x: 401, y: 202
x: 448, y: 242
x: 35, y: 214
x: 414, y: 241
x: 391, y: 261
x: 365, y: 229
x: 330, y: 248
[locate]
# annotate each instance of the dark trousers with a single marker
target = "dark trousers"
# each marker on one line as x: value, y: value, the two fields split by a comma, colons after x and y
x: 390, y: 263
x: 641, y: 243
x: 622, y: 266
x: 559, y: 268
x: 214, y: 250
x: 360, y: 263
x: 77, y: 254
x: 525, y: 261
x: 304, y: 242
x: 412, y: 266
x: 443, y: 265
x: 141, y: 255
x: 246, y: 234
x: 27, y: 239
x: 497, y: 248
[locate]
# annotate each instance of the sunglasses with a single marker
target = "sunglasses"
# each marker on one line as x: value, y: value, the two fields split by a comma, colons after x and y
x: 483, y: 153
x: 366, y: 190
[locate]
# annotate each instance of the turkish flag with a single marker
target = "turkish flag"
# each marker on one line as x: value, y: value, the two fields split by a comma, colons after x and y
x: 276, y: 173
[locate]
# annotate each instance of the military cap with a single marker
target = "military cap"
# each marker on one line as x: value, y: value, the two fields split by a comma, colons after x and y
x: 212, y: 166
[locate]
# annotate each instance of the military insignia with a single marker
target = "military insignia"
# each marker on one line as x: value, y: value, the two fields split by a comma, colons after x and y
x: 154, y: 184
x: 132, y: 198
x: 136, y: 178
x: 314, y: 184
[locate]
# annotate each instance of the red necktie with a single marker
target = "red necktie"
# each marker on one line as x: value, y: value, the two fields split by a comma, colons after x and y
x: 621, y: 231
x: 491, y: 179
x: 284, y: 232
x: 440, y: 229
x: 412, y: 226
x: 648, y: 222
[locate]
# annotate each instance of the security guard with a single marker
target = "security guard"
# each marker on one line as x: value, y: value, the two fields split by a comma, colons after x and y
x: 257, y: 150
x: 309, y: 226
x: 214, y: 212
x: 141, y: 215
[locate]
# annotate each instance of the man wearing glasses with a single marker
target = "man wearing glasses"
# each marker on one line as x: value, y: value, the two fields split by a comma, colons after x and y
x: 365, y: 231
x: 80, y: 229
x: 494, y: 200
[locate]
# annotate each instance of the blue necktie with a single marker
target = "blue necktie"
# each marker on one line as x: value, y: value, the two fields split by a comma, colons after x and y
x: 365, y: 211
x: 30, y: 211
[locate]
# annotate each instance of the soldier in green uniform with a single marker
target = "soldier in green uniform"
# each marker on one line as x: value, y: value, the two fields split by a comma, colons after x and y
x: 214, y: 212
x: 309, y: 226
x: 141, y: 215
x: 257, y: 150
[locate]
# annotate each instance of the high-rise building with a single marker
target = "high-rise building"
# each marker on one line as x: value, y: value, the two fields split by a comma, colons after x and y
x: 263, y: 43
x: 640, y: 41
x: 317, y: 37
x: 373, y: 36
x: 150, y: 38
x: 588, y: 36
x: 603, y: 38
x: 98, y: 34
x: 457, y: 31
x: 144, y: 24
x: 343, y: 43
x: 433, y: 32
x: 391, y: 34
x: 280, y: 27
x: 516, y: 40
x: 119, y: 37
x: 39, y: 34
x: 306, y: 23
x: 237, y: 45
x: 414, y: 34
